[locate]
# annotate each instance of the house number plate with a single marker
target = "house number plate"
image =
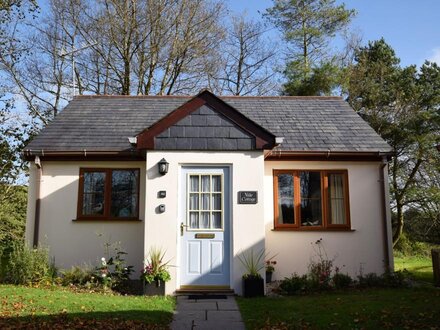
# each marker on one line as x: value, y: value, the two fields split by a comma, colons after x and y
x: 205, y: 236
x: 247, y: 197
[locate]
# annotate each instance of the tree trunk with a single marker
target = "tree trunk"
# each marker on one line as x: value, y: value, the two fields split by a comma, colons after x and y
x: 399, y: 226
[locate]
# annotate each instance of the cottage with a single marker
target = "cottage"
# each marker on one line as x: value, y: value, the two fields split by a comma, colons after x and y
x: 206, y: 178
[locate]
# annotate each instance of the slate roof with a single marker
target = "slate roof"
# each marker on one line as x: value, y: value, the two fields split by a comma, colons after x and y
x: 103, y: 123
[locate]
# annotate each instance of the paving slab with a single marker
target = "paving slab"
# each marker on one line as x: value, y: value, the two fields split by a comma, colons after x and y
x: 223, y: 316
x: 195, y: 314
x: 216, y: 325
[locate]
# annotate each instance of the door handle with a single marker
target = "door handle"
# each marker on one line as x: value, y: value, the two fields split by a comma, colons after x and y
x: 182, y: 226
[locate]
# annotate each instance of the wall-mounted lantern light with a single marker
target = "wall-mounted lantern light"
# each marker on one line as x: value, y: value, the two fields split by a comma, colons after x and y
x: 163, y: 166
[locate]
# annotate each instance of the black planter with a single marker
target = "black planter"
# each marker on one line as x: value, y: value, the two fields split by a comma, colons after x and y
x: 253, y: 287
x: 269, y: 277
x: 156, y: 288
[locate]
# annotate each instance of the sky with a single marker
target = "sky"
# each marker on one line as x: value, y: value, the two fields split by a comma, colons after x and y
x: 411, y: 27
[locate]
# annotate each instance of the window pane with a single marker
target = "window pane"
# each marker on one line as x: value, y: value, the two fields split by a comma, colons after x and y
x: 216, y: 183
x: 336, y: 199
x: 205, y: 202
x: 216, y: 220
x: 311, y: 213
x: 311, y: 210
x: 285, y: 199
x: 206, y: 183
x: 124, y: 197
x: 204, y: 223
x: 216, y: 201
x: 194, y: 201
x: 93, y: 193
x: 194, y: 220
x: 194, y: 182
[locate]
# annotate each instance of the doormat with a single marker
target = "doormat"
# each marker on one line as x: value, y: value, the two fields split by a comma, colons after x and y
x: 207, y: 296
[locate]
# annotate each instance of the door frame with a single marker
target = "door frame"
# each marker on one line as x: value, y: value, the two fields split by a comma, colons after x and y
x: 181, y: 217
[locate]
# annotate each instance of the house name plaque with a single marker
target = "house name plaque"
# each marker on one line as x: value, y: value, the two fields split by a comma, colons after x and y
x: 247, y: 197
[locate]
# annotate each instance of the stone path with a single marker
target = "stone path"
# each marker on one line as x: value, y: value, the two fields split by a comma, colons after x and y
x: 195, y: 314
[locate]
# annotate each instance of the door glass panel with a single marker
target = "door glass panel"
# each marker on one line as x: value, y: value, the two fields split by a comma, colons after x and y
x: 194, y: 201
x: 216, y: 201
x: 204, y: 221
x: 217, y: 183
x: 194, y: 220
x: 205, y: 201
x: 216, y: 220
x: 206, y: 183
x: 194, y: 182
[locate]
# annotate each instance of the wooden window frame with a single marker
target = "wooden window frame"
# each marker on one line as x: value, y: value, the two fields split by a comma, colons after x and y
x: 107, y: 194
x: 325, y: 209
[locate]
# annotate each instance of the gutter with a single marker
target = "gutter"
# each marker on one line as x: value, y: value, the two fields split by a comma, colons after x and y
x: 385, y: 217
x: 37, y: 201
x: 328, y: 153
x: 30, y: 154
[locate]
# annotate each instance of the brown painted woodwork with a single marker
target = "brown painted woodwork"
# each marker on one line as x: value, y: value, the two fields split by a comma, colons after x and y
x: 263, y: 138
x: 326, y: 225
x: 107, y: 194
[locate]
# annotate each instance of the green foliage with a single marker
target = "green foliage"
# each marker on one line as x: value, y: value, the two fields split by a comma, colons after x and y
x: 341, y: 281
x: 407, y: 247
x: 155, y: 268
x: 253, y: 262
x: 113, y: 272
x: 402, y: 104
x: 294, y: 285
x: 308, y: 26
x: 388, y: 279
x: 12, y: 216
x: 25, y: 265
x: 78, y: 276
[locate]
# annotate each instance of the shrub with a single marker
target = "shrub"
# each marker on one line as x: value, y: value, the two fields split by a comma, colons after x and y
x: 320, y: 271
x: 113, y: 272
x: 394, y: 279
x: 341, y: 281
x: 155, y: 268
x: 295, y: 284
x: 369, y: 280
x: 26, y: 265
x: 78, y: 276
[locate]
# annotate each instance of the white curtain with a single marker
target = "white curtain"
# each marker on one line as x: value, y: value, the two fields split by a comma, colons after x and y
x: 336, y: 196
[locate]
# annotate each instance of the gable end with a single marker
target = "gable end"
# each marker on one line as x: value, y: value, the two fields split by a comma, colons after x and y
x: 205, y: 123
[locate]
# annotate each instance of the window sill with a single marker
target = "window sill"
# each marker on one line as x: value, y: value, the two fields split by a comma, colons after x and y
x: 312, y: 229
x: 106, y: 220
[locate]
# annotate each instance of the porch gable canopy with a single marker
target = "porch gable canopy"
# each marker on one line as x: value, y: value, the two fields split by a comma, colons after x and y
x: 205, y: 122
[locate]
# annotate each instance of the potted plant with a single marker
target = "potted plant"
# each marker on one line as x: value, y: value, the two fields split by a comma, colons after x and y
x: 270, y: 268
x: 253, y: 283
x: 155, y: 273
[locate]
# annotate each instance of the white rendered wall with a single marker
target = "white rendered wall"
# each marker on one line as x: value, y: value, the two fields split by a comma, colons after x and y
x: 78, y: 242
x: 162, y: 229
x: 362, y: 248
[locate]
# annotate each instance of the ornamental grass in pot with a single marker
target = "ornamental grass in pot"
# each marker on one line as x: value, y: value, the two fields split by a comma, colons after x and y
x: 253, y: 282
x: 155, y: 273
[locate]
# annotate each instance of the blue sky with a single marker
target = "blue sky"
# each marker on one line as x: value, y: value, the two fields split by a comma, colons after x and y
x: 411, y: 27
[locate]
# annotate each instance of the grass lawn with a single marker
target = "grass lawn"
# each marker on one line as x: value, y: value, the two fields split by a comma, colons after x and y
x: 24, y: 307
x: 419, y: 267
x: 366, y: 309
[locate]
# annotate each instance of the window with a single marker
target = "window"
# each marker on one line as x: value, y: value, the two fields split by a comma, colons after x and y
x: 310, y: 200
x: 205, y: 201
x: 108, y: 194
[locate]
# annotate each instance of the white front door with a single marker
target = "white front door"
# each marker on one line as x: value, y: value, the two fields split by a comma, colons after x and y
x: 205, y: 226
